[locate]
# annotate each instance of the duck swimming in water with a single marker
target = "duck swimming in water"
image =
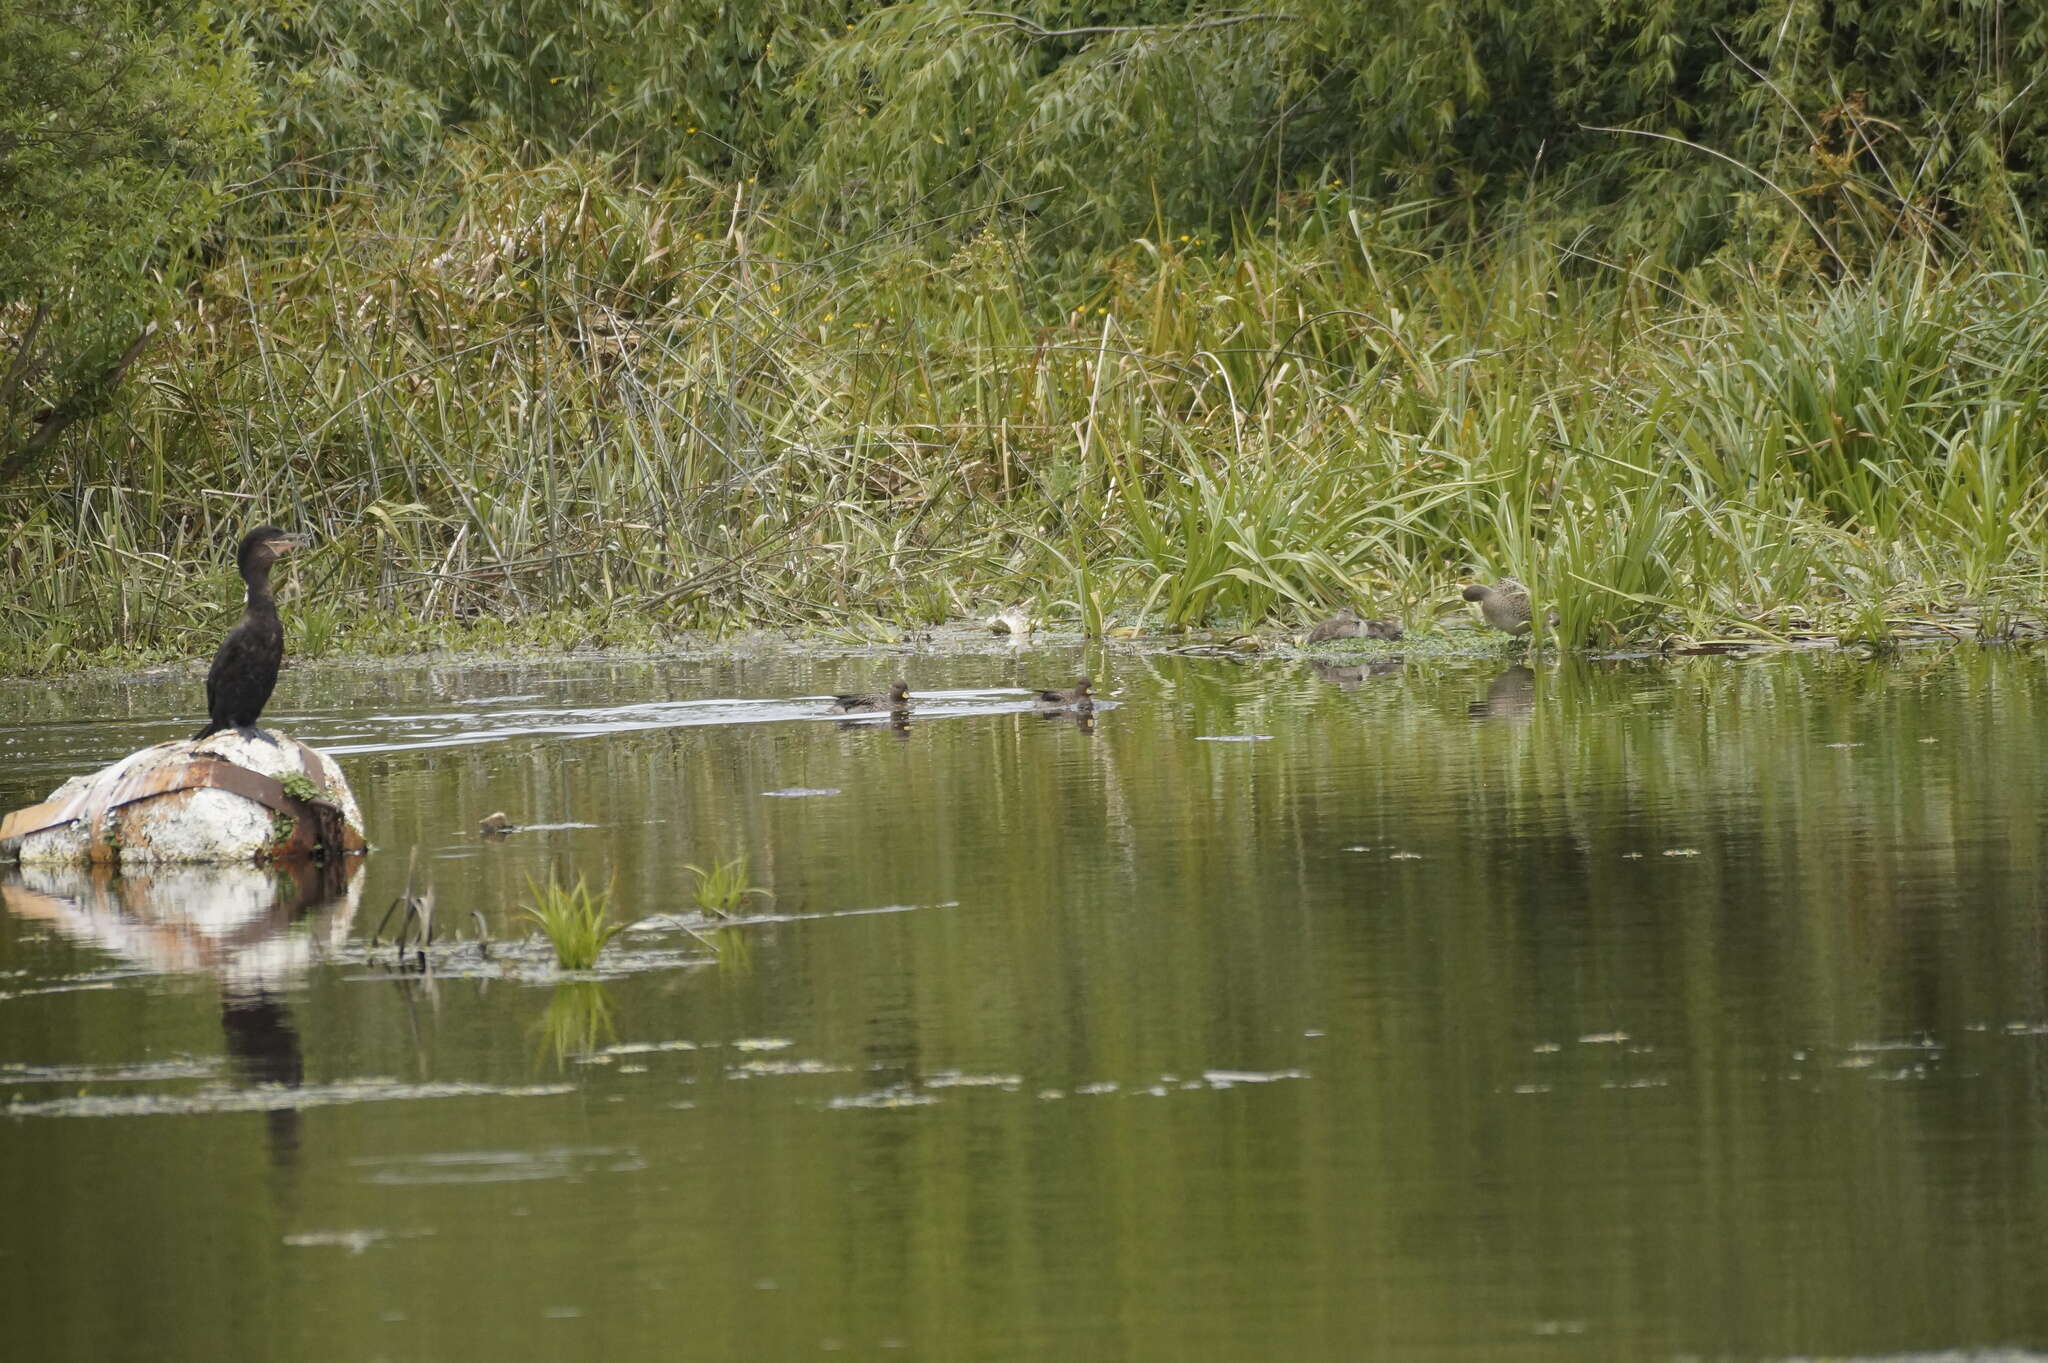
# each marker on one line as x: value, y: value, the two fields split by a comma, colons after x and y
x: 1079, y: 696
x: 244, y: 670
x: 896, y: 702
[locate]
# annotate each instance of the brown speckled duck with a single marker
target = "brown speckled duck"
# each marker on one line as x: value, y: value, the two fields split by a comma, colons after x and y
x: 1346, y: 624
x: 1079, y: 696
x: 1505, y: 606
x: 897, y: 701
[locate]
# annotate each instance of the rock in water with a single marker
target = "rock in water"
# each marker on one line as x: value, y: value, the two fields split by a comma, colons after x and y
x: 227, y: 798
x: 1012, y: 620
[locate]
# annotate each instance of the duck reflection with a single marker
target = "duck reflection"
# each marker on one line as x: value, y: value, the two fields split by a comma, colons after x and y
x: 898, y: 725
x: 1351, y: 676
x: 1084, y: 720
x: 256, y: 929
x: 1512, y: 695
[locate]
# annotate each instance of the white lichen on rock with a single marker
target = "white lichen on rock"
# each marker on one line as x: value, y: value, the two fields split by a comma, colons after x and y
x: 112, y: 815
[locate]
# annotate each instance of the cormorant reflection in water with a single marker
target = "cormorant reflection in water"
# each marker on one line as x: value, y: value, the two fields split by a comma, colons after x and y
x: 263, y: 1047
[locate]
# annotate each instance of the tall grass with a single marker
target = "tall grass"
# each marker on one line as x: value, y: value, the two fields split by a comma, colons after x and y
x: 575, y: 919
x: 570, y: 411
x: 722, y: 886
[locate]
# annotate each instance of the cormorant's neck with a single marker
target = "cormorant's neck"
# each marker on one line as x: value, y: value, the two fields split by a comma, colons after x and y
x: 258, y: 578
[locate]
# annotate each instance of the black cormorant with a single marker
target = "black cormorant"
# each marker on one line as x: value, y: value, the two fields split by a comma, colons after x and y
x: 244, y: 670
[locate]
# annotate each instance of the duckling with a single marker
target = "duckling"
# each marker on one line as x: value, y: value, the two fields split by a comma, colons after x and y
x: 896, y: 702
x: 1080, y: 696
x: 1346, y: 624
x: 1505, y: 606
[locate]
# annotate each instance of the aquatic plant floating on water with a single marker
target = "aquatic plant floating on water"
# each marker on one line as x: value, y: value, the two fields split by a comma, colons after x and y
x: 721, y: 887
x: 576, y: 920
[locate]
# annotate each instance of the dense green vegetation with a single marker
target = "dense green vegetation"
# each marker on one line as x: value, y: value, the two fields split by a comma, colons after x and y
x: 120, y: 122
x: 586, y: 322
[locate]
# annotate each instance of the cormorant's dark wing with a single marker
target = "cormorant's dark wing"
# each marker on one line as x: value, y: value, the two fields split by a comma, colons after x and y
x: 221, y: 656
x: 243, y: 675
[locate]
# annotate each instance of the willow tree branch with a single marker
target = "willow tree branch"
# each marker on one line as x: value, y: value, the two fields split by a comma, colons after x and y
x: 88, y: 399
x: 1741, y: 166
x: 24, y: 353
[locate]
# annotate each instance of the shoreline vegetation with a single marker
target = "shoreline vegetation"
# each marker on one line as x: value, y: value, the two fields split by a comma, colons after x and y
x: 1448, y: 642
x: 529, y: 386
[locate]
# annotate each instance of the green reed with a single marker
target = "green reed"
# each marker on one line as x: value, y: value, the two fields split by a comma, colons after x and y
x: 575, y: 919
x: 722, y: 886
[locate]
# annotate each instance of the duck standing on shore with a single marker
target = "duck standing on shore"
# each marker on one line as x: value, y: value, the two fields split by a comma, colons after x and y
x: 1505, y: 606
x: 245, y: 667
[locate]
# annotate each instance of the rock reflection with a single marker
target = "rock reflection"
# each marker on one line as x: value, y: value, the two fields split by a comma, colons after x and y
x: 258, y: 929
x: 236, y: 922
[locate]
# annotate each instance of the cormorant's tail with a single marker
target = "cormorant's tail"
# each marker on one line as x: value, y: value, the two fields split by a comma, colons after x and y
x: 209, y: 731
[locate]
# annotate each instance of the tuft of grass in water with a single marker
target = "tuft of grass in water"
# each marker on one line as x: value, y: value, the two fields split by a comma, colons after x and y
x: 723, y: 885
x: 575, y: 919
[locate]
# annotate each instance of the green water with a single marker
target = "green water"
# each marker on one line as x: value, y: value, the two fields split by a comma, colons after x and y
x: 1607, y: 1011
